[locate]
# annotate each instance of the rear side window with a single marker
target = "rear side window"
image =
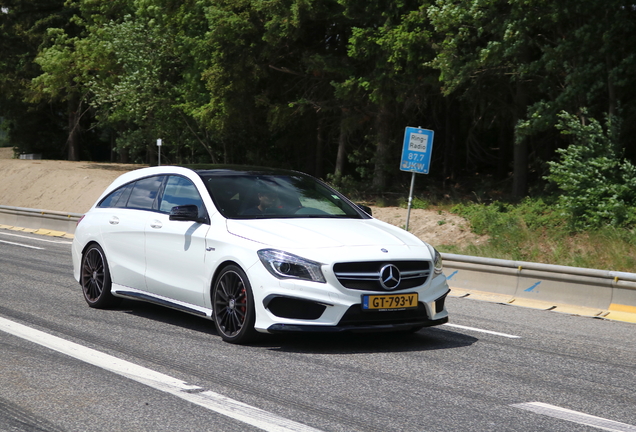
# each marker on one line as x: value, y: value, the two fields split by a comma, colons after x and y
x: 125, y: 194
x: 117, y: 198
x: 111, y: 199
x: 141, y: 194
x: 144, y: 193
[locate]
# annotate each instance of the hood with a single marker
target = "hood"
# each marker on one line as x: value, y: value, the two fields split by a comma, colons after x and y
x: 321, y: 233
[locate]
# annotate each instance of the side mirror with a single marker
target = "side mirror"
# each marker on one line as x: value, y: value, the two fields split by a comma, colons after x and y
x: 186, y: 213
x: 365, y: 209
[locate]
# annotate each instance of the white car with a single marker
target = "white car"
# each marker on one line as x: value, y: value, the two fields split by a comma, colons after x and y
x: 256, y: 250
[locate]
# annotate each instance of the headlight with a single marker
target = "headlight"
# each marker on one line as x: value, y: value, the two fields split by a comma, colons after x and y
x: 437, y: 262
x: 283, y: 265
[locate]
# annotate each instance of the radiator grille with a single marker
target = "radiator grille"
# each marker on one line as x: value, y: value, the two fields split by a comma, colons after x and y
x: 367, y: 275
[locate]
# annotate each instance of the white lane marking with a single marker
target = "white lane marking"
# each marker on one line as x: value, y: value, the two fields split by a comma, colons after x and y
x: 20, y: 244
x: 482, y: 331
x: 575, y: 417
x: 36, y: 238
x: 213, y: 401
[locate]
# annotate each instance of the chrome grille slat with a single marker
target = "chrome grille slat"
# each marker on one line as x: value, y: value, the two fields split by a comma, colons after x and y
x: 358, y: 275
x: 366, y: 275
x: 415, y: 274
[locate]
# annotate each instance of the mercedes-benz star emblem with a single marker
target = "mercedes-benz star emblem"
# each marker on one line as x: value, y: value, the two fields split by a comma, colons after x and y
x: 389, y: 277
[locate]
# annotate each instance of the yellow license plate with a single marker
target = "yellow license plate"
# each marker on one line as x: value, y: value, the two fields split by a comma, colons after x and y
x: 389, y: 301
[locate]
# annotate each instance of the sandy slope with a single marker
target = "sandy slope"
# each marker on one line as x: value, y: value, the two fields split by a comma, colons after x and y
x: 54, y: 185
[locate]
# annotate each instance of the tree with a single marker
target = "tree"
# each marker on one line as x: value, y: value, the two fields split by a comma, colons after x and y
x: 34, y: 126
x: 125, y: 70
x: 389, y: 48
x: 598, y: 186
x: 484, y: 54
x: 535, y: 59
x: 58, y: 84
x: 268, y: 69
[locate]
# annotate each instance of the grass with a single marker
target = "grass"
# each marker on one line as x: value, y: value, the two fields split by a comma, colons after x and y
x: 416, y: 203
x: 537, y: 232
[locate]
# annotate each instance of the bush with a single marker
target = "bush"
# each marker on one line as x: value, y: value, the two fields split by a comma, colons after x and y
x: 514, y: 230
x: 416, y: 203
x: 598, y: 187
x: 499, y: 217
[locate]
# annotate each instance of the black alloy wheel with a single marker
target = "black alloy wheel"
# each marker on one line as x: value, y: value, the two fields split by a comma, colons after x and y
x: 233, y: 306
x: 95, y: 279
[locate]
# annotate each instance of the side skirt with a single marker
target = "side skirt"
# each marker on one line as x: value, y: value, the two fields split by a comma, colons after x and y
x: 135, y: 294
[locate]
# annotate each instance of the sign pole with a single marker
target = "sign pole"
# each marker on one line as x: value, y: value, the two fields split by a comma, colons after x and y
x: 408, y: 212
x: 159, y: 151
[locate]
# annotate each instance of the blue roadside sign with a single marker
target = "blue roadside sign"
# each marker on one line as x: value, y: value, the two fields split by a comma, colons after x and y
x: 417, y: 150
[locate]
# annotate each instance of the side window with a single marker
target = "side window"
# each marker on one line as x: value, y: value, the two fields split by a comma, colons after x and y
x: 144, y: 193
x: 117, y: 198
x: 125, y: 195
x: 180, y: 191
x: 111, y: 198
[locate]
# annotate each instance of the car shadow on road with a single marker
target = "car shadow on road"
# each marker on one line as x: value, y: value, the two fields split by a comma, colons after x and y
x: 166, y: 315
x: 426, y: 339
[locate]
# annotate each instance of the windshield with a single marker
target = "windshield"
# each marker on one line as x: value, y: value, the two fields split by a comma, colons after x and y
x: 255, y: 196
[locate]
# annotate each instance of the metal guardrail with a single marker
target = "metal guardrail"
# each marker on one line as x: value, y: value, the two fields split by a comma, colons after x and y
x: 549, y: 268
x: 604, y: 293
x: 39, y: 219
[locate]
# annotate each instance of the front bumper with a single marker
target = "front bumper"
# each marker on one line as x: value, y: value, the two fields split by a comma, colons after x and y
x: 296, y: 305
x: 367, y: 328
x: 357, y: 320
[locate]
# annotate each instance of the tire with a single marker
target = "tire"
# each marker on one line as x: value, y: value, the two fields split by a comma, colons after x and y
x: 233, y: 306
x: 95, y: 279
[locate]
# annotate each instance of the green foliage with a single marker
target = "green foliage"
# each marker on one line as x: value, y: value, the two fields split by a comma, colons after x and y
x: 388, y: 52
x: 32, y: 127
x: 416, y: 203
x: 607, y: 248
x: 327, y: 86
x: 536, y: 231
x: 513, y: 230
x: 505, y: 217
x: 521, y: 62
x: 346, y: 184
x: 597, y: 186
x: 503, y: 223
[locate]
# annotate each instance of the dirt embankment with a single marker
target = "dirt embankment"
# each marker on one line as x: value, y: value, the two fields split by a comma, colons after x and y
x: 74, y: 186
x: 55, y: 185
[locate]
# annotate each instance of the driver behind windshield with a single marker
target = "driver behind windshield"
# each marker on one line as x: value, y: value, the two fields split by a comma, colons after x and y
x: 268, y: 201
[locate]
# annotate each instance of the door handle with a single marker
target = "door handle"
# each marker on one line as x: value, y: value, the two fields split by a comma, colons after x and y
x: 114, y: 220
x: 156, y: 224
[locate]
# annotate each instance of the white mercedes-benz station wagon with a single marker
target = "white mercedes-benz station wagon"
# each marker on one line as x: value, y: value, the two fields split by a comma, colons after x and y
x: 256, y: 250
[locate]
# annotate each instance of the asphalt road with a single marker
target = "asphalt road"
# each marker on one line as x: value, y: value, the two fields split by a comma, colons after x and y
x: 66, y: 367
